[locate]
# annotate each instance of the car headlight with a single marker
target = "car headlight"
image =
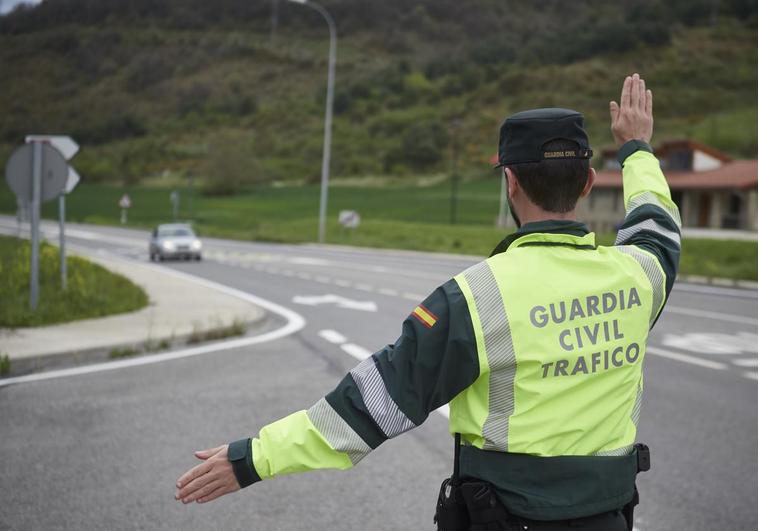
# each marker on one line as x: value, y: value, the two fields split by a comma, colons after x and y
x: 169, y: 246
x: 197, y: 245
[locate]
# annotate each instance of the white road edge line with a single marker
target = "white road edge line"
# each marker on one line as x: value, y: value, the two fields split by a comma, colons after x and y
x: 295, y: 323
x: 687, y: 358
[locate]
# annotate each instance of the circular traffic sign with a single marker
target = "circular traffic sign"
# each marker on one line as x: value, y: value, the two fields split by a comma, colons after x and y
x: 19, y: 172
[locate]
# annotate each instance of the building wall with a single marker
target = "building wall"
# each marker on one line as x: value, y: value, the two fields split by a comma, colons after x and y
x: 603, y: 210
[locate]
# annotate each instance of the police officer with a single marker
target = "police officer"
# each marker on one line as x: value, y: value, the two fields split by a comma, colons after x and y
x: 538, y: 350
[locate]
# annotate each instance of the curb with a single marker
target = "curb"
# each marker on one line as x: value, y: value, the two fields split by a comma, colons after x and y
x: 73, y: 358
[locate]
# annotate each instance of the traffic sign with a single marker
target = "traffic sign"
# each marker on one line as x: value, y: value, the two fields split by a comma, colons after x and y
x: 64, y: 144
x: 125, y: 202
x: 71, y: 180
x: 350, y: 219
x: 20, y: 167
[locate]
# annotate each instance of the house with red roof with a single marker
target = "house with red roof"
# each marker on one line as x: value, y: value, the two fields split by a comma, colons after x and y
x: 711, y: 189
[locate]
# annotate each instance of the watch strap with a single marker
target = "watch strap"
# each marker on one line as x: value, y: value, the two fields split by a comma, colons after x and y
x: 630, y: 147
x: 240, y: 455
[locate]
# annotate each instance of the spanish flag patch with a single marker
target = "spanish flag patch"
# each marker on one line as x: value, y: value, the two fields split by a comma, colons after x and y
x: 424, y: 315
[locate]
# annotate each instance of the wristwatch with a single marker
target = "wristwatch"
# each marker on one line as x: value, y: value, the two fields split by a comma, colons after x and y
x: 632, y: 146
x: 240, y: 455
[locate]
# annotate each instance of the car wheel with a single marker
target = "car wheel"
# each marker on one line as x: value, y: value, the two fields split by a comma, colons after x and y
x: 198, y: 257
x: 161, y: 258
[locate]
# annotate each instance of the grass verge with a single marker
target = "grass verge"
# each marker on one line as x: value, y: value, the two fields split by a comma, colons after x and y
x: 393, y: 216
x: 93, y: 291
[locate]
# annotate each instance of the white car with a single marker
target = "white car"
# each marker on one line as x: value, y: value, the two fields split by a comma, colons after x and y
x: 175, y: 240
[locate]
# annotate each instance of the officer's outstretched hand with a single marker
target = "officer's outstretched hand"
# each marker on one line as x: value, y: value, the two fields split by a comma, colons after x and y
x: 633, y: 119
x: 209, y: 480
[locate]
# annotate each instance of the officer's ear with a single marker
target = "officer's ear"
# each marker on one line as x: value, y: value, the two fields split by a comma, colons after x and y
x: 590, y: 182
x: 513, y: 185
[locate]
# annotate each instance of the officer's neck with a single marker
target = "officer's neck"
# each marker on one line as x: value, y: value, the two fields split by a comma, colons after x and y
x: 528, y: 212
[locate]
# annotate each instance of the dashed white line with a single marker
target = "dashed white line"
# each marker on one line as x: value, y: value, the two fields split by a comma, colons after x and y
x: 390, y: 292
x: 304, y: 276
x: 288, y: 273
x: 342, y: 283
x: 751, y: 375
x: 356, y: 351
x: 686, y: 358
x: 332, y: 336
x: 322, y: 279
x: 413, y: 297
x: 364, y: 287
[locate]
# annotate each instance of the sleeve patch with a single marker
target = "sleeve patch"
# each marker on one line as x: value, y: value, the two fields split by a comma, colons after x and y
x: 424, y: 316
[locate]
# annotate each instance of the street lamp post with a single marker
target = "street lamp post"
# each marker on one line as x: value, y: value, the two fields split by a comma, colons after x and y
x: 328, y: 120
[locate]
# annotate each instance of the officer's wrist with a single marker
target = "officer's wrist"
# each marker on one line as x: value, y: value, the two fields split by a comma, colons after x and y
x: 632, y: 146
x: 240, y: 455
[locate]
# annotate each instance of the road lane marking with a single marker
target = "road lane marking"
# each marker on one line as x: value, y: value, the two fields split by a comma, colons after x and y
x: 332, y: 336
x: 718, y: 316
x: 342, y: 283
x: 294, y: 323
x: 390, y: 292
x: 712, y: 290
x: 751, y: 375
x: 678, y: 356
x: 356, y: 351
x: 413, y: 297
x: 746, y: 363
x: 364, y: 287
x: 340, y: 302
x: 322, y: 279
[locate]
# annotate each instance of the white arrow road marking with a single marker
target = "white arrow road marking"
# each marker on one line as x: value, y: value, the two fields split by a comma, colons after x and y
x: 746, y: 363
x: 295, y: 323
x: 718, y: 316
x: 714, y: 343
x: 687, y: 358
x: 341, y: 302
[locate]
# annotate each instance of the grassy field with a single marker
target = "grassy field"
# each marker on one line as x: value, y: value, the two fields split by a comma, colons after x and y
x: 92, y: 290
x: 400, y: 216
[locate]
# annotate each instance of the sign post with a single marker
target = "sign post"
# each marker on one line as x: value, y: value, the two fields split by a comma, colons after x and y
x: 124, y: 203
x: 36, y: 172
x: 36, y: 189
x: 68, y: 148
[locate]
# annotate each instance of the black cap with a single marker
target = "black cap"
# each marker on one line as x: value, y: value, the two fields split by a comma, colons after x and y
x: 524, y: 135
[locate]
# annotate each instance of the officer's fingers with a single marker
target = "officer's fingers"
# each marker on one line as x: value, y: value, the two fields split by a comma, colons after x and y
x: 205, y: 490
x: 634, y: 96
x: 224, y: 489
x: 193, y: 473
x: 642, y: 101
x: 205, y: 454
x: 614, y: 107
x: 649, y: 102
x: 196, y: 484
x: 625, y: 92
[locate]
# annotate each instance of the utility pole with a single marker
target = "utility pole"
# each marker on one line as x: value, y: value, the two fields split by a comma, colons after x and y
x: 274, y: 19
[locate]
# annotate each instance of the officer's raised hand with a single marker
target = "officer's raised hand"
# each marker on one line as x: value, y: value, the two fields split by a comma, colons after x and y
x: 633, y: 118
x: 209, y: 480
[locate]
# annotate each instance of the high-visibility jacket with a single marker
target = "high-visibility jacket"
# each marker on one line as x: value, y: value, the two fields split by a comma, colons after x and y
x: 538, y: 350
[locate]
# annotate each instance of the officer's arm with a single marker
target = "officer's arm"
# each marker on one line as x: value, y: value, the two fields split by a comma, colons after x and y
x: 387, y: 394
x: 652, y: 220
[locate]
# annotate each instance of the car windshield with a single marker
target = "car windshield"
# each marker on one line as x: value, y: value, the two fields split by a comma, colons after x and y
x: 168, y: 233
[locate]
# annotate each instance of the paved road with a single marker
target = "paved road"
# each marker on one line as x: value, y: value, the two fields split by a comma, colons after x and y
x: 102, y: 450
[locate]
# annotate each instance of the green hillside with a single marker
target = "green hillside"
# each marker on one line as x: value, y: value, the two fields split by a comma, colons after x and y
x: 176, y: 88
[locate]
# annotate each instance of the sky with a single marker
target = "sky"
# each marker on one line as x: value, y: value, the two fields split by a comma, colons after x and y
x: 7, y: 5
